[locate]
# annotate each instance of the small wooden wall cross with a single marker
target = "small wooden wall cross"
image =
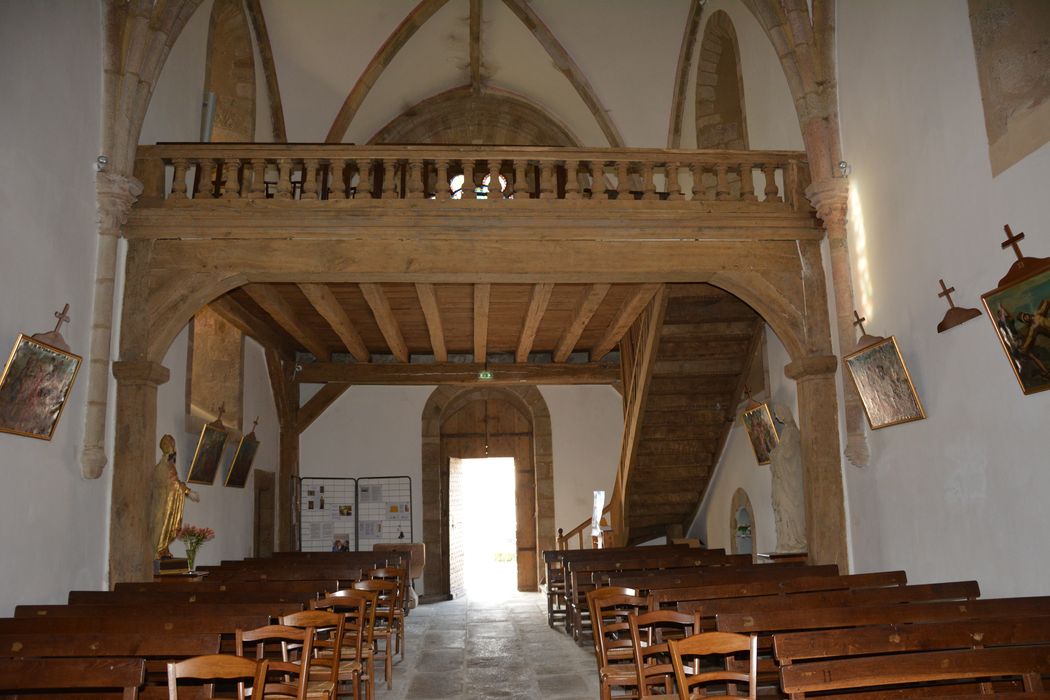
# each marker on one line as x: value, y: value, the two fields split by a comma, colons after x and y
x: 62, y: 316
x: 859, y: 321
x: 1012, y: 240
x: 54, y: 338
x: 865, y: 339
x: 955, y: 314
x: 1023, y: 266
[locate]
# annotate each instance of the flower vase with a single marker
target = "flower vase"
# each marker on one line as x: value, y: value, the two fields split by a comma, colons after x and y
x: 191, y: 557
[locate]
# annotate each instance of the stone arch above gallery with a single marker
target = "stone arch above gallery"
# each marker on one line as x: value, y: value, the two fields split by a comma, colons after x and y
x: 720, y: 115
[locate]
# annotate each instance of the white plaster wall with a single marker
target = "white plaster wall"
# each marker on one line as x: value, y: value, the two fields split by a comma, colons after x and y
x: 961, y: 494
x: 52, y: 522
x: 377, y: 431
x: 227, y: 510
x: 737, y: 468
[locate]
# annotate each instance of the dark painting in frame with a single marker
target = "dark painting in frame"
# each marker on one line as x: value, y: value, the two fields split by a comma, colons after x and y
x: 884, y: 384
x: 36, y: 382
x: 1020, y: 313
x: 761, y: 430
x: 206, y: 457
x: 241, y: 464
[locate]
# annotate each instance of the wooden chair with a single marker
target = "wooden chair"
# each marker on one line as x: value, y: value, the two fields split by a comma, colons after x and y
x: 400, y: 577
x: 289, y: 651
x: 650, y: 633
x: 384, y: 628
x: 354, y: 652
x: 217, y: 667
x: 715, y: 643
x: 326, y: 669
x: 613, y: 650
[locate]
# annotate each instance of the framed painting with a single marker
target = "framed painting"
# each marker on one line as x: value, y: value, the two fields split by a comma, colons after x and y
x: 1020, y: 314
x: 36, y: 382
x: 884, y: 385
x: 761, y: 430
x: 242, y: 461
x: 208, y: 453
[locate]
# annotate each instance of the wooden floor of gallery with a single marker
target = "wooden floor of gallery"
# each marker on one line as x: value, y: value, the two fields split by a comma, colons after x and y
x: 490, y: 648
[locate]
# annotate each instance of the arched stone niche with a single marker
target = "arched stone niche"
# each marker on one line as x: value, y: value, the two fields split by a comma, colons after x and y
x: 450, y: 423
x: 461, y: 117
x: 741, y: 513
x: 721, y: 119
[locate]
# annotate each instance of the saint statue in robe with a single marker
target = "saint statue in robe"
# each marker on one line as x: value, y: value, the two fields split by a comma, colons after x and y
x: 789, y: 489
x: 168, y: 498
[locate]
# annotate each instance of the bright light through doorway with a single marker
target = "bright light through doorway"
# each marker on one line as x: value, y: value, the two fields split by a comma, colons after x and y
x: 489, y: 527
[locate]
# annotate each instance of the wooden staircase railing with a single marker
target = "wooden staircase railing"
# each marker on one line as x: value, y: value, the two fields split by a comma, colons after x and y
x: 566, y: 539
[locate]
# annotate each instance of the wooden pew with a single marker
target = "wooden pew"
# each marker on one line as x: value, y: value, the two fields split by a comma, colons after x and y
x: 123, y: 622
x: 163, y: 596
x: 260, y: 574
x: 703, y: 576
x: 159, y: 610
x: 307, y: 586
x: 121, y: 675
x: 85, y: 644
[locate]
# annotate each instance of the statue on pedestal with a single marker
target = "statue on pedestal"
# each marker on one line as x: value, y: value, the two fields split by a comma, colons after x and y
x: 168, y: 497
x: 789, y: 489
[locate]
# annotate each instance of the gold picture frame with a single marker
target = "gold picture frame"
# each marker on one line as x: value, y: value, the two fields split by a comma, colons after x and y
x: 34, y: 387
x: 1018, y: 311
x: 206, y: 457
x: 241, y: 464
x: 884, y: 384
x: 761, y: 431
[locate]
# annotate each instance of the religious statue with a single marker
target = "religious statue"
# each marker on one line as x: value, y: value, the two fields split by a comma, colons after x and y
x: 789, y: 494
x: 169, y: 495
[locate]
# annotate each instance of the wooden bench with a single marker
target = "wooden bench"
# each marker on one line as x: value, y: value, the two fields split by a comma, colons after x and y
x: 158, y: 610
x: 121, y: 675
x: 164, y: 596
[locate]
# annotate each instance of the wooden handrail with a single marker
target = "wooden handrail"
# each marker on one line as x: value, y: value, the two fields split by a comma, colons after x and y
x: 564, y: 538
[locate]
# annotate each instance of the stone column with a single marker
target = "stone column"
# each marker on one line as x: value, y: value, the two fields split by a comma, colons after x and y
x: 130, y: 549
x: 818, y: 422
x: 830, y: 197
x: 115, y: 195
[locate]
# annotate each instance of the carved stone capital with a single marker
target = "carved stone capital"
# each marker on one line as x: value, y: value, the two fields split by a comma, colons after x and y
x: 830, y: 197
x: 140, y: 372
x: 811, y: 367
x: 114, y: 196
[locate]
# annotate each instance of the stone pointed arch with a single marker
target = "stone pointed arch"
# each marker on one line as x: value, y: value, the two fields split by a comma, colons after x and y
x: 721, y: 118
x: 444, y: 402
x: 230, y: 72
x: 685, y: 60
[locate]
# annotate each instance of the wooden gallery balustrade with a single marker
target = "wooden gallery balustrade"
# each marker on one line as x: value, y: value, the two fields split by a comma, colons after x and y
x: 630, y: 189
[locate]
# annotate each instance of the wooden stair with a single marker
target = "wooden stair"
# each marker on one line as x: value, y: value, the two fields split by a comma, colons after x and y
x: 706, y: 344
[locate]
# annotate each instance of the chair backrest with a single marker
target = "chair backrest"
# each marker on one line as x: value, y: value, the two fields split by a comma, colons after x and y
x: 724, y: 644
x: 356, y: 608
x: 329, y: 632
x: 289, y: 651
x: 217, y: 667
x: 386, y: 603
x: 650, y: 634
x: 396, y: 575
x: 609, y: 608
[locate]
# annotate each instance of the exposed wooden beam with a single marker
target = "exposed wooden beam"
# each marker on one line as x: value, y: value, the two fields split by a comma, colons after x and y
x: 460, y: 374
x: 318, y: 403
x: 328, y: 306
x: 475, y: 47
x: 428, y: 301
x: 592, y: 299
x: 629, y: 312
x: 400, y: 36
x: 279, y: 384
x: 481, y: 321
x: 384, y: 316
x: 681, y: 77
x: 538, y: 300
x: 274, y: 304
x: 250, y: 324
x: 273, y: 90
x: 567, y: 67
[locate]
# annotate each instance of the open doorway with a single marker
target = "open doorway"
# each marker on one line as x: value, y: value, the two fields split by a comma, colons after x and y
x: 483, y: 546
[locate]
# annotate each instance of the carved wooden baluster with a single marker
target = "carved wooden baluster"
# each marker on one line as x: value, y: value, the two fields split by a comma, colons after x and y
x: 598, y: 190
x: 698, y: 189
x: 414, y: 181
x: 257, y: 187
x: 336, y: 186
x: 747, y: 183
x: 674, y: 190
x: 207, y: 178
x: 441, y: 190
x: 468, y: 180
x: 178, y: 182
x: 547, y: 180
x: 771, y: 191
x: 623, y: 176
x: 572, y: 179
x: 722, y: 188
x: 495, y: 189
x: 648, y: 188
x: 284, y: 179
x: 231, y: 173
x: 389, y: 176
x: 309, y: 190
x: 521, y: 185
x: 367, y: 186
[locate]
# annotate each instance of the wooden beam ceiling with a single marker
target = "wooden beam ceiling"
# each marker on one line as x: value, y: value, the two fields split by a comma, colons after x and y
x: 250, y: 324
x: 459, y: 373
x: 384, y: 317
x: 274, y: 304
x: 481, y: 321
x: 428, y: 302
x: 592, y: 299
x: 329, y: 307
x: 540, y: 297
x: 629, y: 312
